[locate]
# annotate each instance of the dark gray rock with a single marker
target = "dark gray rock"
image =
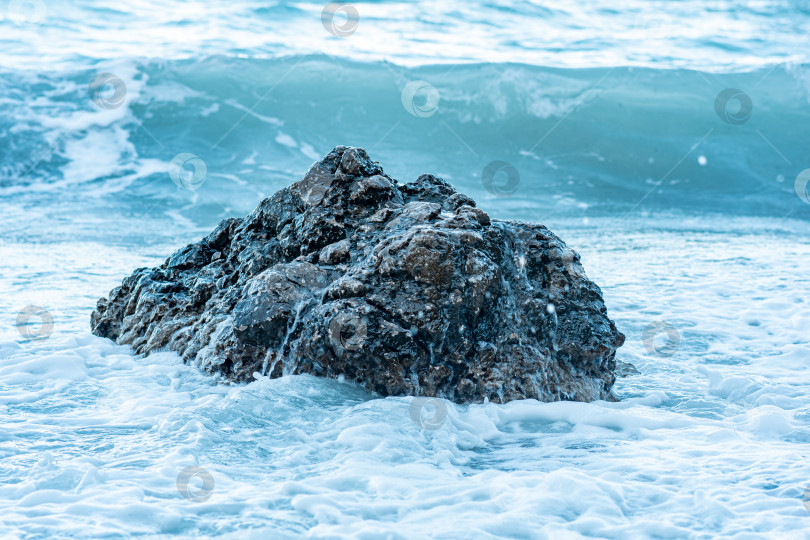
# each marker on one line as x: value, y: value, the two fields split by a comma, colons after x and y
x: 406, y: 289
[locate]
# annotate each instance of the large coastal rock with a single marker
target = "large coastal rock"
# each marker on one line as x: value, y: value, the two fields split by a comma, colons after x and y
x: 407, y: 289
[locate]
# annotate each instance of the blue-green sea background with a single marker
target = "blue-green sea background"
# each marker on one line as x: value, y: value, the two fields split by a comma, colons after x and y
x: 610, y: 118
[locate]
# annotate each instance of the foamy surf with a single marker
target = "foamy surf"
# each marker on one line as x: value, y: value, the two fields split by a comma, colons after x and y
x: 665, y: 142
x: 94, y: 439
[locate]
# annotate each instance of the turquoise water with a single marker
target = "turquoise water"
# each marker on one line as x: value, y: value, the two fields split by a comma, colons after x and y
x: 664, y: 141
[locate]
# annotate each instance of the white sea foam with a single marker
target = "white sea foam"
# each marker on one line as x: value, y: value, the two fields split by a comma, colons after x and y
x: 586, y: 34
x: 708, y: 442
x: 595, y: 106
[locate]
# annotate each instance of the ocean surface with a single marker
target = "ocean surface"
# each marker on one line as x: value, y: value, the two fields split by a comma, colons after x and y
x: 665, y: 141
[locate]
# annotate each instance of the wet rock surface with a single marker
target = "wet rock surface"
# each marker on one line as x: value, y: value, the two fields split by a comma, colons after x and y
x: 407, y: 289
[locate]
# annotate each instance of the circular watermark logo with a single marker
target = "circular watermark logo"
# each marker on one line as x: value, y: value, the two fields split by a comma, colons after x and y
x: 340, y: 19
x: 652, y: 338
x: 651, y: 25
x: 428, y: 413
x: 500, y: 178
x: 187, y: 171
x: 108, y: 91
x: 348, y: 331
x: 195, y: 484
x: 420, y: 99
x: 35, y: 322
x: 800, y: 185
x: 26, y: 12
x: 733, y: 106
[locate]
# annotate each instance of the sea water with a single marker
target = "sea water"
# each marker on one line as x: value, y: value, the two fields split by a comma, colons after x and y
x: 666, y: 142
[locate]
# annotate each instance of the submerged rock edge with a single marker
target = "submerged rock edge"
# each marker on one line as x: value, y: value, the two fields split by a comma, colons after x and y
x: 407, y: 289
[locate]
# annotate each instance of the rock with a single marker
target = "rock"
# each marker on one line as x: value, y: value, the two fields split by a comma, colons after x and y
x: 406, y: 289
x: 625, y: 369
